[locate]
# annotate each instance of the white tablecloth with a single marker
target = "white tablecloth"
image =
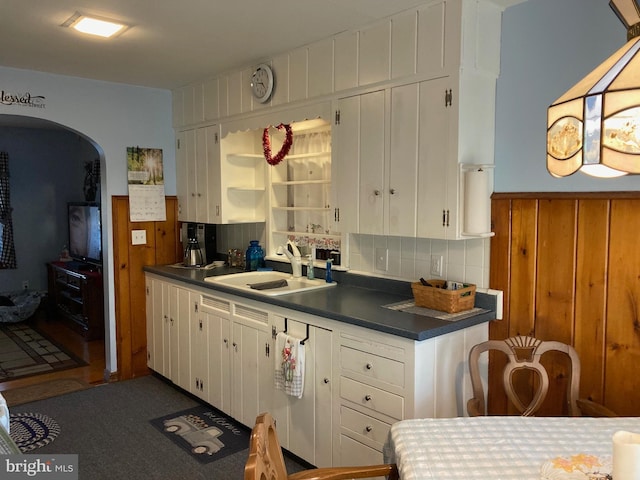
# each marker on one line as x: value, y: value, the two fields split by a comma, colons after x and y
x: 507, y: 448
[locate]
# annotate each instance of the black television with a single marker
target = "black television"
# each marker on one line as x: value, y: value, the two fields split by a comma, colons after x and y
x: 85, y: 233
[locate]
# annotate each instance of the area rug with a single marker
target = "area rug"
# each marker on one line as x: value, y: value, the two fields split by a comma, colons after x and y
x: 25, y: 352
x: 40, y: 391
x: 32, y: 430
x: 204, y: 432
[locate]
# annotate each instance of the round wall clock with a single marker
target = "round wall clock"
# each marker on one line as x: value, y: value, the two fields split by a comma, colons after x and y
x: 262, y: 82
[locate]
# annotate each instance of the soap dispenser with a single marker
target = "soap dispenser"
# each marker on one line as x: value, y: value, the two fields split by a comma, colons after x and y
x: 327, y: 276
x: 310, y: 273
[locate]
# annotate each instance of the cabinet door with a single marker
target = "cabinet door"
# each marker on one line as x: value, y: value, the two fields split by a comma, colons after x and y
x: 182, y: 185
x: 403, y: 160
x: 434, y: 213
x: 374, y: 54
x: 219, y: 346
x: 345, y: 165
x: 214, y: 179
x: 152, y: 328
x: 310, y: 416
x: 432, y: 51
x: 178, y: 335
x: 201, y: 176
x: 190, y: 158
x: 372, y: 162
x: 252, y: 371
x: 156, y: 318
x: 199, y: 353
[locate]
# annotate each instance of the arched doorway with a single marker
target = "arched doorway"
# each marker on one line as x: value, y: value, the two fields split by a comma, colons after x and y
x: 47, y: 166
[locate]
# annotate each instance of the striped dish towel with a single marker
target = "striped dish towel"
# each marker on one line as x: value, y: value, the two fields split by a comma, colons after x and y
x: 289, y: 365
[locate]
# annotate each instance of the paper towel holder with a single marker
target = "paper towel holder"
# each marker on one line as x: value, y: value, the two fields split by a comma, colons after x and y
x: 466, y: 167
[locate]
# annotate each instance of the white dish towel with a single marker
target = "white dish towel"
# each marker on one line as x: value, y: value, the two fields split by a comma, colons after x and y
x: 289, y: 365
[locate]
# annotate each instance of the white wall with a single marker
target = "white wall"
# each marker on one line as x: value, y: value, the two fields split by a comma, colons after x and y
x: 547, y: 47
x: 113, y: 117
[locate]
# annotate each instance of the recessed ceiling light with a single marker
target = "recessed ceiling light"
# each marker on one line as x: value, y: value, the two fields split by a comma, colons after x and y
x: 93, y: 25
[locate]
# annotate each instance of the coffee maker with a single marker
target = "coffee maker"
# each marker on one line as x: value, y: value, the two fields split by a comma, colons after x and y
x: 199, y: 242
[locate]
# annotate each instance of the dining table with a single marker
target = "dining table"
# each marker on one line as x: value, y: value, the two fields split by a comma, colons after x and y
x: 503, y: 447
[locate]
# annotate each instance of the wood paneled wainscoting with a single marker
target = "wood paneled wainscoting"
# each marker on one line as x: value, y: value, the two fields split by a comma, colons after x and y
x: 163, y: 247
x: 569, y: 266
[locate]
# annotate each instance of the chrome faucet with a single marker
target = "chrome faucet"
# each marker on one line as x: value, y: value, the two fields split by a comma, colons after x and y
x: 294, y: 258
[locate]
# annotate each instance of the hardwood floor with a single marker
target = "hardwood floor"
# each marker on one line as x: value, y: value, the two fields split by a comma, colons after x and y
x: 91, y: 352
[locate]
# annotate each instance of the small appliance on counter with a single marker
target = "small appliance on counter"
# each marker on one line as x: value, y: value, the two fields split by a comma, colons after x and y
x: 193, y: 256
x: 199, y: 242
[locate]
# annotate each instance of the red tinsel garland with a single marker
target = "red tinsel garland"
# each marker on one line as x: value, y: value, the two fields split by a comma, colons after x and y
x: 286, y: 146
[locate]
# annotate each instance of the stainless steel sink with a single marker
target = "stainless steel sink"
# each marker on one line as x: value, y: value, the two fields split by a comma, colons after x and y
x: 243, y: 281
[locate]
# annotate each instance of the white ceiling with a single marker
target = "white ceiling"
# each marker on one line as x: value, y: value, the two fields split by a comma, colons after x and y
x: 173, y: 43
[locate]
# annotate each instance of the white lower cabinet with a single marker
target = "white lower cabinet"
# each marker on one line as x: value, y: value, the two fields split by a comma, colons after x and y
x: 216, y: 312
x: 304, y: 424
x: 199, y: 354
x: 358, y: 382
x: 251, y: 370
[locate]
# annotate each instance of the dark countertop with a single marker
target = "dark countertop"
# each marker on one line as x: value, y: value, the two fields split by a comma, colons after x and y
x: 357, y: 300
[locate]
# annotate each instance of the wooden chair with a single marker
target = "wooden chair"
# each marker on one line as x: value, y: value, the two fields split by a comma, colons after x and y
x: 267, y: 463
x: 524, y: 353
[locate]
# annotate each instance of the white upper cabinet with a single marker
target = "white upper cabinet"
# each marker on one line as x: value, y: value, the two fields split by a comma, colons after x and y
x: 434, y: 51
x: 197, y: 175
x: 345, y: 61
x: 403, y: 44
x: 398, y: 154
x: 211, y: 104
x: 437, y: 190
x: 298, y: 75
x: 371, y: 139
x: 376, y: 162
x: 403, y: 162
x: 345, y: 164
x: 373, y: 61
x: 320, y: 68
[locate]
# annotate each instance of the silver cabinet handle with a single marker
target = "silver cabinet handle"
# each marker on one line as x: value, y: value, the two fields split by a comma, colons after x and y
x: 369, y: 366
x: 367, y: 398
x: 392, y: 191
x: 376, y: 192
x: 326, y: 380
x: 368, y: 428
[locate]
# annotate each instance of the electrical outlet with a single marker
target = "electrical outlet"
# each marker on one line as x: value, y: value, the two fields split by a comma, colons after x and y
x: 25, y: 285
x: 138, y: 237
x: 436, y: 265
x: 382, y: 259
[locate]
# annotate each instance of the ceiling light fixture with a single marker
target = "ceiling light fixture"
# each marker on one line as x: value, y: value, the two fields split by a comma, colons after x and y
x: 93, y: 25
x: 595, y: 127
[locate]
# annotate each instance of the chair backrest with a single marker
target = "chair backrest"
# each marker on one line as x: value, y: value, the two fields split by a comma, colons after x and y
x: 523, y: 353
x: 266, y: 461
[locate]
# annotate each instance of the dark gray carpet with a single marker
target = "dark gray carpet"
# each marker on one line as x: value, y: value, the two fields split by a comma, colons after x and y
x: 108, y: 427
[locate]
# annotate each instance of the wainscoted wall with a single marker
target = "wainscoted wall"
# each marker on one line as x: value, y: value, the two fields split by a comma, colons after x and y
x: 162, y: 248
x: 569, y: 266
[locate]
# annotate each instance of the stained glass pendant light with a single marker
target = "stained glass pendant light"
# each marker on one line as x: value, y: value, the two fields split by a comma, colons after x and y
x: 595, y: 127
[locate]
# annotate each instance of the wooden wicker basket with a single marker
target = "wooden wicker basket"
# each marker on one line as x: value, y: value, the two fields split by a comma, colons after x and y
x: 437, y: 298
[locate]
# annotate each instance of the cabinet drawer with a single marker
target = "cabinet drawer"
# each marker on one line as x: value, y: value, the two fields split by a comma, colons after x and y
x: 355, y: 453
x: 371, y: 397
x: 365, y: 428
x: 372, y: 366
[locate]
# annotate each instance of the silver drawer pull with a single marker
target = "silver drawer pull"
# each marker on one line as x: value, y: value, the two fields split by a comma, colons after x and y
x: 369, y: 366
x: 326, y: 380
x: 367, y: 398
x: 368, y: 428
